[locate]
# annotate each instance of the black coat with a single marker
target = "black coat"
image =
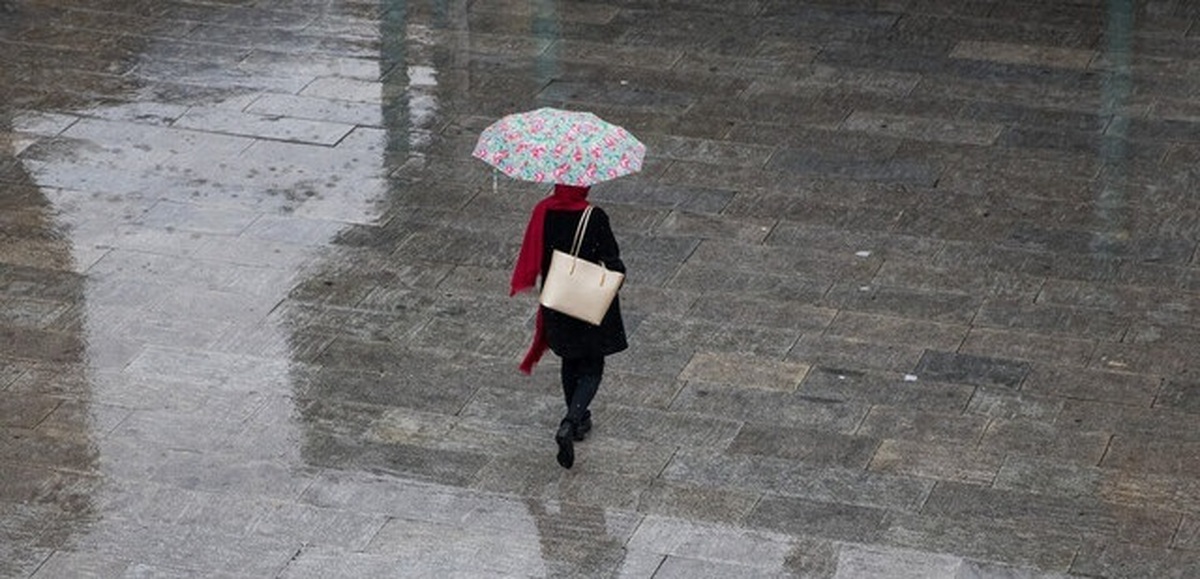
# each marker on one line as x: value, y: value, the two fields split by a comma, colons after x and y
x: 567, y: 336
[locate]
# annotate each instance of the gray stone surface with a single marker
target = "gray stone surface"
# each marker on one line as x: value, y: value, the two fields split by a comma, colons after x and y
x: 771, y: 407
x: 906, y: 424
x: 1035, y: 438
x: 706, y: 542
x: 809, y: 445
x: 834, y: 383
x: 943, y: 461
x: 912, y: 291
x: 1058, y: 514
x: 1122, y: 388
x: 1127, y: 560
x: 1044, y: 549
x: 826, y: 484
x: 968, y: 369
x: 826, y: 520
x: 859, y: 562
x: 1049, y: 476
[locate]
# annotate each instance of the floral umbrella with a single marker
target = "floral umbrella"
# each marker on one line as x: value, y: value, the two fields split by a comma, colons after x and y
x: 557, y: 146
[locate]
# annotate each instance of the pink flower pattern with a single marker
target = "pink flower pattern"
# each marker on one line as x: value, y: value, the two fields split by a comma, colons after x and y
x: 568, y: 147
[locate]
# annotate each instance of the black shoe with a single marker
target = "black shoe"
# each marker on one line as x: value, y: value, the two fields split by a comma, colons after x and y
x: 566, y: 447
x: 582, y: 429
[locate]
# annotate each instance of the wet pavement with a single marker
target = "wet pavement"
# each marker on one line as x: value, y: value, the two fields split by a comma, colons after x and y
x: 913, y: 290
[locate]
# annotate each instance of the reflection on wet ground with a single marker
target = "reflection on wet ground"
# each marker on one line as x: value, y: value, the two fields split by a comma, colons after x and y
x: 913, y: 290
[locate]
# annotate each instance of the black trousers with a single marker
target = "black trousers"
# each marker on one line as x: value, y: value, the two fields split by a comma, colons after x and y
x: 580, y: 381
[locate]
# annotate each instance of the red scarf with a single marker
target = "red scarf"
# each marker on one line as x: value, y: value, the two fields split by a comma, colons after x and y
x: 529, y: 261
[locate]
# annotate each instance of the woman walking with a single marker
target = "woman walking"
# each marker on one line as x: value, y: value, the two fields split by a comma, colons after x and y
x: 581, y: 345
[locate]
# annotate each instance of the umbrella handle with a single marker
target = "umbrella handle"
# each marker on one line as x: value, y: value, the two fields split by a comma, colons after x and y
x: 494, y: 186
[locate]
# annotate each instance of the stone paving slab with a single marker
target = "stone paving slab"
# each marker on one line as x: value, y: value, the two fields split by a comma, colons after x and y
x: 912, y: 291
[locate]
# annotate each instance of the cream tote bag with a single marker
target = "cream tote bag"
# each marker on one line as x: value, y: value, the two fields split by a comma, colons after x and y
x: 577, y: 287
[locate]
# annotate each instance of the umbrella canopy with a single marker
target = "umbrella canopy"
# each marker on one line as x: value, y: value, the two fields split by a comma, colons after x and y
x: 549, y: 145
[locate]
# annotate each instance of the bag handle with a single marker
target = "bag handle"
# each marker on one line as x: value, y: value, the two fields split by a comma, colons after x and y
x: 580, y: 229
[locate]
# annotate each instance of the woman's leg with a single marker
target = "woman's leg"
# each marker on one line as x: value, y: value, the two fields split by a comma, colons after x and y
x: 590, y: 372
x: 565, y: 436
x: 581, y: 379
x: 570, y: 378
